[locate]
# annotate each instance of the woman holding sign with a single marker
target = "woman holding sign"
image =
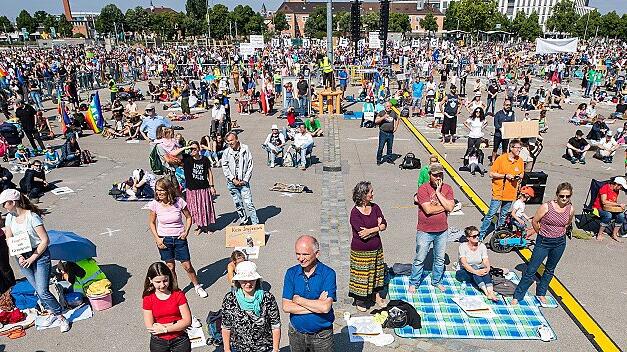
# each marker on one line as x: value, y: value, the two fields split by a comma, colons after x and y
x: 28, y: 241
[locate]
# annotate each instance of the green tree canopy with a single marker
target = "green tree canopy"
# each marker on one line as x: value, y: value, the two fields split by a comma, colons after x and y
x: 137, y: 19
x: 370, y: 21
x: 6, y: 25
x: 240, y: 16
x: 611, y: 25
x: 25, y: 20
x: 429, y: 23
x: 563, y: 18
x: 343, y: 23
x: 316, y: 25
x: 399, y: 22
x: 280, y: 22
x: 586, y: 26
x: 110, y: 17
x: 530, y: 28
x: 473, y: 15
x: 196, y: 9
x: 64, y: 27
x: 255, y: 24
x: 219, y: 18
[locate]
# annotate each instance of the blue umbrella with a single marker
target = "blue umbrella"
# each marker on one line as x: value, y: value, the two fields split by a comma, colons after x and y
x: 69, y: 246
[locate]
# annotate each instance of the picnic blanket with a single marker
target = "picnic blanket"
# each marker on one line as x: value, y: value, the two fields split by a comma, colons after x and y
x: 443, y: 318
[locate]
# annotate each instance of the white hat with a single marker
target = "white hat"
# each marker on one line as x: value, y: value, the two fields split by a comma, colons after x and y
x: 13, y: 194
x: 275, y: 127
x: 246, y: 271
x: 608, y: 133
x: 618, y: 180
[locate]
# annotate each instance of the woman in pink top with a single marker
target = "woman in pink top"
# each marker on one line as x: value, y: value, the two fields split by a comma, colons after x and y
x: 170, y: 222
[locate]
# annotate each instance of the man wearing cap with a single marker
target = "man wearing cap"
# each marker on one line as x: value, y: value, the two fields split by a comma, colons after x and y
x: 506, y: 172
x: 606, y: 148
x: 26, y: 115
x: 217, y: 114
x: 151, y: 122
x: 435, y: 201
x: 577, y: 147
x: 274, y: 144
x: 309, y: 290
x: 609, y: 208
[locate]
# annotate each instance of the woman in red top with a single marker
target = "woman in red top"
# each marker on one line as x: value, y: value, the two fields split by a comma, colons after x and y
x: 166, y: 313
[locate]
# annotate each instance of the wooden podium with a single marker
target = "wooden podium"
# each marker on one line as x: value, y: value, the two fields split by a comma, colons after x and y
x: 334, y: 99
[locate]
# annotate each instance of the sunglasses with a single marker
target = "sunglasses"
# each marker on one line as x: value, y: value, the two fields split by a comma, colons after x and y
x: 565, y: 196
x: 473, y: 236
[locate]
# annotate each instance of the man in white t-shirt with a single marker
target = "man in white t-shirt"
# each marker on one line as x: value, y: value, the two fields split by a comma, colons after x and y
x: 303, y: 142
x: 607, y: 148
x: 217, y: 115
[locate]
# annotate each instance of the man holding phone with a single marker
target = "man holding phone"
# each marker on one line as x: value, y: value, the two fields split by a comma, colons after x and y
x: 506, y: 173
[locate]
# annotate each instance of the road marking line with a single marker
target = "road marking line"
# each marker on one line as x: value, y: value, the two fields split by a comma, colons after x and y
x: 586, y: 323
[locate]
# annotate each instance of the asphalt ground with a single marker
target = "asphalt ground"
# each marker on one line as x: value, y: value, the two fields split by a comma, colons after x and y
x: 125, y: 247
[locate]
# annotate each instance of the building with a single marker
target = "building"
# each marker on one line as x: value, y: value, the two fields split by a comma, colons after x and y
x: 83, y: 22
x: 298, y: 11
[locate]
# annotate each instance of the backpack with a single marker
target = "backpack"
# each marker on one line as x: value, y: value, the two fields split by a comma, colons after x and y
x: 214, y: 328
x: 400, y: 314
x: 410, y: 162
x: 156, y: 165
x: 503, y: 286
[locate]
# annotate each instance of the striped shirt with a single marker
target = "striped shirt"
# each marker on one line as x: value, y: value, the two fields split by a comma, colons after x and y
x: 554, y: 224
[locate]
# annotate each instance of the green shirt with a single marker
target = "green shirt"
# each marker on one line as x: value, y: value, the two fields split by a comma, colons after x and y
x: 424, y: 175
x: 314, y: 127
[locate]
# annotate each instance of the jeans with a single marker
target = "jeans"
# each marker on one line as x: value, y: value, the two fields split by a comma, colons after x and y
x: 494, y: 208
x: 321, y: 341
x: 423, y: 243
x: 179, y: 344
x: 36, y: 98
x: 385, y: 138
x: 491, y: 104
x: 474, y: 279
x: 606, y: 218
x: 272, y: 150
x: 301, y: 156
x: 588, y: 88
x: 38, y: 275
x: 303, y: 102
x: 243, y: 195
x: 550, y: 248
x: 619, y: 86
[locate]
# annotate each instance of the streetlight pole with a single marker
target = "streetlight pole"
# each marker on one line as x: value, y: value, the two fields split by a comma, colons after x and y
x: 208, y: 24
x: 329, y: 31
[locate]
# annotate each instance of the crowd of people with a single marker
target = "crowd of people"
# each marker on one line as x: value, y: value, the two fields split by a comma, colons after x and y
x: 433, y: 84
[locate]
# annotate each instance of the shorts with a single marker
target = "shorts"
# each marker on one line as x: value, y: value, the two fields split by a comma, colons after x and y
x: 499, y: 142
x: 176, y: 249
x: 449, y: 125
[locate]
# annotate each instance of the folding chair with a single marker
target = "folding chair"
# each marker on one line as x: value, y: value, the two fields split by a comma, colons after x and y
x: 588, y: 211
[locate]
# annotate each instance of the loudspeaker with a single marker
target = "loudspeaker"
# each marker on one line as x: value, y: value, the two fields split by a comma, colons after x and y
x: 537, y: 181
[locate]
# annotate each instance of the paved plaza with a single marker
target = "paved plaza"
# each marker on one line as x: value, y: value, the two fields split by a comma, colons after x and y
x: 591, y: 270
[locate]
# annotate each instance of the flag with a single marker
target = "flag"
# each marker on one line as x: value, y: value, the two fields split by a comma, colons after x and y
x: 3, y: 72
x: 94, y: 117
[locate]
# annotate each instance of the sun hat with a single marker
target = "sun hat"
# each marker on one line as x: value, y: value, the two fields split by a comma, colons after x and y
x: 9, y: 194
x: 436, y: 168
x: 618, y: 180
x: 150, y: 107
x: 245, y: 271
x: 275, y: 127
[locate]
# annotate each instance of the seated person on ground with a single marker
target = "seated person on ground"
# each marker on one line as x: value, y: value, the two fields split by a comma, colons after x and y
x: 274, y: 144
x: 70, y: 151
x: 51, y: 158
x: 606, y: 203
x: 475, y: 162
x: 236, y: 258
x: 621, y: 108
x: 474, y: 263
x: 143, y: 185
x: 313, y: 126
x: 577, y: 147
x: 34, y: 183
x: 22, y: 157
x: 598, y: 130
x: 606, y: 148
x: 6, y: 178
x: 303, y: 142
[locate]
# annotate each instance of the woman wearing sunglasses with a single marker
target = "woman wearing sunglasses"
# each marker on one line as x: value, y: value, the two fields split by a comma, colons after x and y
x: 550, y: 222
x: 474, y: 263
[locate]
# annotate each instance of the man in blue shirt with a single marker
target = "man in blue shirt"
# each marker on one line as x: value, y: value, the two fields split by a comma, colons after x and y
x: 309, y: 290
x: 342, y: 75
x: 151, y: 122
x: 416, y: 92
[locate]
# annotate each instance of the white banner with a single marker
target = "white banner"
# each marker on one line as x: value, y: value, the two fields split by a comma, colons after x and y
x: 287, y: 43
x: 551, y: 46
x: 306, y: 43
x: 257, y: 41
x: 276, y: 42
x: 373, y: 40
x: 343, y: 42
x: 246, y: 49
x: 415, y: 43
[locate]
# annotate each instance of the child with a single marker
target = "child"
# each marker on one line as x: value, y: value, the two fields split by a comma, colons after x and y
x: 474, y: 164
x: 22, y: 158
x: 519, y: 218
x: 236, y: 258
x: 166, y: 312
x: 51, y: 159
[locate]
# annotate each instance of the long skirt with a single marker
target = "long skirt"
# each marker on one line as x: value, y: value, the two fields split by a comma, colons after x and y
x: 367, y: 274
x: 200, y: 205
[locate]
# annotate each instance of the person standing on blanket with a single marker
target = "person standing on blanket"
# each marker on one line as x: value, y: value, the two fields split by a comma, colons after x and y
x: 551, y: 222
x: 167, y: 213
x: 166, y: 312
x: 237, y: 165
x: 506, y: 173
x: 367, y: 271
x: 435, y: 201
x: 200, y: 187
x: 24, y: 220
x: 309, y: 290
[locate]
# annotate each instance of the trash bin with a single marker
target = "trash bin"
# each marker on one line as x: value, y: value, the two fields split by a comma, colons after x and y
x: 537, y: 181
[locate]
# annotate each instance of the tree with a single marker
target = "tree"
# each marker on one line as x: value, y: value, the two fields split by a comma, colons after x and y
x: 623, y: 26
x: 586, y: 26
x: 370, y: 21
x: 64, y: 27
x: 196, y: 9
x: 610, y: 25
x: 167, y: 24
x: 316, y: 25
x: 429, y: 23
x: 137, y: 19
x: 399, y: 22
x: 25, y: 20
x: 50, y: 21
x: 280, y: 22
x: 530, y: 28
x: 219, y: 18
x: 343, y: 23
x: 110, y: 17
x: 40, y: 16
x: 473, y: 15
x: 563, y: 18
x: 6, y: 25
x: 240, y: 17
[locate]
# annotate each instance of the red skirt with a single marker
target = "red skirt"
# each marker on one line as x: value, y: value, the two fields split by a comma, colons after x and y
x: 200, y: 205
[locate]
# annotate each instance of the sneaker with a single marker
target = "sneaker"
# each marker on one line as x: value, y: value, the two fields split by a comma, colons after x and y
x: 196, y: 322
x: 200, y: 292
x: 272, y: 165
x: 64, y: 325
x: 573, y: 161
x: 582, y: 161
x: 48, y: 320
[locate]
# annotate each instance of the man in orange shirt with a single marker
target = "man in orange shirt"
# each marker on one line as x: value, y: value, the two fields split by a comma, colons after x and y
x: 506, y: 173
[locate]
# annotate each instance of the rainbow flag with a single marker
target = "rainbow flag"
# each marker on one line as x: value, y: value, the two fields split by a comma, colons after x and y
x: 94, y: 117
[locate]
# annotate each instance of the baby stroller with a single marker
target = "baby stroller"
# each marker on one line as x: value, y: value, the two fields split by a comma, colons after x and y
x: 11, y: 135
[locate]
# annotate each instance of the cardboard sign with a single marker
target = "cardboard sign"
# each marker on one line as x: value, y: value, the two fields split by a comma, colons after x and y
x: 520, y: 129
x: 276, y: 42
x: 415, y: 43
x: 246, y: 49
x: 256, y: 41
x: 245, y: 236
x: 343, y: 42
x: 19, y: 244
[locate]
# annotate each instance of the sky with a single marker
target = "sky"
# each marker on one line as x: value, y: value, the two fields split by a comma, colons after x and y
x: 9, y: 8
